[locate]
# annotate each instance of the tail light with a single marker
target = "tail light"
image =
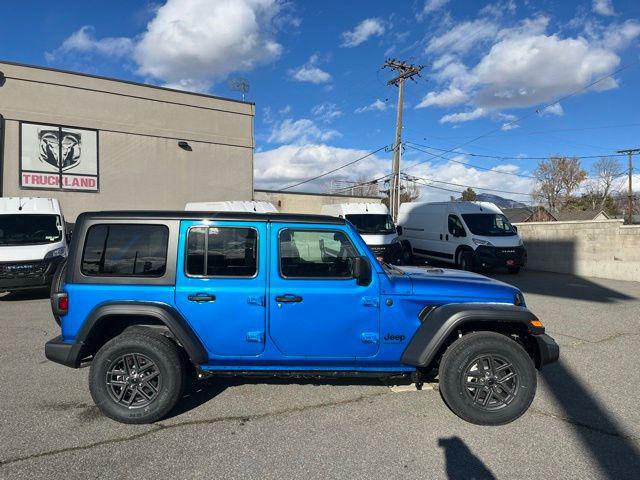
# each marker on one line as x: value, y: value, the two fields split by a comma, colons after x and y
x: 60, y: 303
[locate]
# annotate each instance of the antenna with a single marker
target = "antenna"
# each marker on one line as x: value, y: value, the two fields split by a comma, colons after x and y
x: 239, y: 84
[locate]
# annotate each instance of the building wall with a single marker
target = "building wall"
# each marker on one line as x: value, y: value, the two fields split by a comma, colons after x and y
x: 140, y: 163
x: 596, y: 248
x: 291, y: 202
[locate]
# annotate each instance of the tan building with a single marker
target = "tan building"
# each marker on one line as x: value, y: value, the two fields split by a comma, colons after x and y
x: 96, y: 143
x: 302, y: 202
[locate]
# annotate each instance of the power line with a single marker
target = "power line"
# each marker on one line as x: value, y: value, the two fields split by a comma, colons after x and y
x: 368, y: 182
x: 469, y: 186
x: 500, y: 157
x: 332, y: 171
x: 471, y: 165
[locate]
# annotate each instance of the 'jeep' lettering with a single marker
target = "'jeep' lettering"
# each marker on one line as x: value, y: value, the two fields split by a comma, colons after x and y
x: 394, y: 338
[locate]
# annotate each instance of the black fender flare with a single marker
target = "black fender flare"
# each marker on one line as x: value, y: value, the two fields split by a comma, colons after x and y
x: 161, y: 312
x: 439, y: 323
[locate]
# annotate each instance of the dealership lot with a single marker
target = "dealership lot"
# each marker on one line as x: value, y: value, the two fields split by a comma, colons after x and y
x: 584, y: 423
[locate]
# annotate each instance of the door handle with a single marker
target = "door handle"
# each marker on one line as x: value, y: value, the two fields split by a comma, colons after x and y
x: 202, y: 297
x: 288, y: 298
x: 447, y: 236
x: 440, y: 236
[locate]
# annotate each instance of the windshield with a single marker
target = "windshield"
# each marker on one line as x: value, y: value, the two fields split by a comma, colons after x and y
x: 488, y: 224
x: 27, y: 229
x: 372, y: 223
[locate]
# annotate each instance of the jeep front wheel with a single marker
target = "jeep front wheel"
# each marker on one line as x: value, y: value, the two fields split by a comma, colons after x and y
x: 487, y: 378
x: 137, y: 377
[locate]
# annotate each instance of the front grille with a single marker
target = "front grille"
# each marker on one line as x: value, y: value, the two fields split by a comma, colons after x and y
x: 507, y: 252
x: 22, y: 269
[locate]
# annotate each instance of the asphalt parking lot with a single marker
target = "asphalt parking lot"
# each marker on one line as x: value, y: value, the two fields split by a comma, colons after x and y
x: 584, y: 423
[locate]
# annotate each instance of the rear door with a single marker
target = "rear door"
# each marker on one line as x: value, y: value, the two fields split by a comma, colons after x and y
x: 221, y: 284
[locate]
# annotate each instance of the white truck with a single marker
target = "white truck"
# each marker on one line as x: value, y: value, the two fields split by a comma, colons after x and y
x: 375, y: 226
x: 232, y: 206
x: 33, y: 242
x: 468, y: 234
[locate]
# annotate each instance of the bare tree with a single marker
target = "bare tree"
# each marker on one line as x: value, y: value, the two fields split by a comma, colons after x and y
x: 606, y: 170
x: 556, y: 180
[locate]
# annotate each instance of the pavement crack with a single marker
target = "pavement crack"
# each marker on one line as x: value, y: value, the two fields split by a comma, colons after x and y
x: 593, y: 428
x: 159, y: 427
x: 583, y: 341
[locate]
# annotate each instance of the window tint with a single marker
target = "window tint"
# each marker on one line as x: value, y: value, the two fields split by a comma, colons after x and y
x: 125, y: 250
x: 230, y: 252
x: 316, y: 254
x: 456, y: 225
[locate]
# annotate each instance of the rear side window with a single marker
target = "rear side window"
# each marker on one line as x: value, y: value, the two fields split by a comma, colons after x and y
x: 222, y: 252
x: 125, y: 250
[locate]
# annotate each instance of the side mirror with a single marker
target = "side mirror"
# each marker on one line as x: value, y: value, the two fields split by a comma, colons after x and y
x: 515, y: 229
x: 399, y: 230
x: 362, y: 271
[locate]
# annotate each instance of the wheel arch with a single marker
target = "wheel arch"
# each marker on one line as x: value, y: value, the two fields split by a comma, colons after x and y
x: 461, y: 248
x: 111, y: 319
x: 443, y: 325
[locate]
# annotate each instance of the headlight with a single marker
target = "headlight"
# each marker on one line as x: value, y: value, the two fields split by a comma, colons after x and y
x: 395, y: 240
x: 58, y: 252
x: 518, y: 299
x: 520, y: 243
x: 477, y: 241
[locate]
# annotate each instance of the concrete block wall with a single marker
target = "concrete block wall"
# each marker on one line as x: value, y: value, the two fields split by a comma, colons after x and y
x: 603, y: 248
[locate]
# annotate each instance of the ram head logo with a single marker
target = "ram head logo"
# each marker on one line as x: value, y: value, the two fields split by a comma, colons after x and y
x: 60, y: 148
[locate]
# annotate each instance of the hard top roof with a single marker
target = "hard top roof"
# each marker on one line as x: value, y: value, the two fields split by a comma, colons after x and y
x: 194, y: 215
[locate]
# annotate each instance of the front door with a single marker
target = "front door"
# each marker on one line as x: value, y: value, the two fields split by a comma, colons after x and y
x: 317, y: 310
x: 221, y: 284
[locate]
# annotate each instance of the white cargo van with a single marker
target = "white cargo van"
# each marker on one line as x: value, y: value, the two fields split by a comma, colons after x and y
x: 375, y: 226
x: 33, y: 242
x: 467, y: 234
x: 232, y: 206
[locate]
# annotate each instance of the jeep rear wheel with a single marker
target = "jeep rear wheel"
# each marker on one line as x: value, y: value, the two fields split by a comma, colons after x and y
x: 487, y: 378
x: 137, y: 377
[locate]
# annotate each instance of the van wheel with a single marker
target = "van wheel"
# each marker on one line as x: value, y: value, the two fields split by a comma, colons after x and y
x: 487, y: 378
x: 465, y: 260
x: 137, y: 377
x: 407, y: 254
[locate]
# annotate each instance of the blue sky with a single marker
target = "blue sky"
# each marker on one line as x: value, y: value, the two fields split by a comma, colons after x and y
x: 322, y: 100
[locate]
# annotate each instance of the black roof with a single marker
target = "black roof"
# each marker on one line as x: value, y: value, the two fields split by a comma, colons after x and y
x: 194, y: 215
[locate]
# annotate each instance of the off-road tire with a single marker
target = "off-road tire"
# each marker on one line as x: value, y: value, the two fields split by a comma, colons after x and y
x: 161, y: 351
x: 459, y: 397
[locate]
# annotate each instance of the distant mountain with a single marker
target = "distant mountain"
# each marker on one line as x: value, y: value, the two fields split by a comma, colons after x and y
x: 501, y: 202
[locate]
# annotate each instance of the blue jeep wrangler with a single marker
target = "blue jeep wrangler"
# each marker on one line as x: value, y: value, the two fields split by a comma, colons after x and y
x: 149, y: 298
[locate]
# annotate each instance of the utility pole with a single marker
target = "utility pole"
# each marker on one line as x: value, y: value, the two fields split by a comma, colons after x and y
x: 405, y: 71
x: 630, y: 152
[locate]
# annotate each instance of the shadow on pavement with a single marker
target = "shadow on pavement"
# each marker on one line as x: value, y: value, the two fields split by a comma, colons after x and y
x: 461, y: 463
x: 562, y: 285
x: 18, y: 296
x: 614, y: 451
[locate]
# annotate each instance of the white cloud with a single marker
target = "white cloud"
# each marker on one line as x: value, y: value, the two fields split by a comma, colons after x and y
x: 603, y: 7
x: 525, y: 66
x: 431, y: 6
x: 445, y: 98
x: 377, y: 106
x: 289, y: 164
x: 84, y: 41
x: 309, y: 72
x: 191, y: 44
x: 199, y: 41
x: 300, y: 131
x: 363, y: 31
x: 555, y: 109
x: 463, y: 37
x: 326, y: 112
x: 464, y: 116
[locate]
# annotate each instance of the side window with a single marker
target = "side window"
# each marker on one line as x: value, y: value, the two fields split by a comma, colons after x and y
x: 222, y: 252
x: 121, y: 250
x: 455, y: 227
x: 316, y: 254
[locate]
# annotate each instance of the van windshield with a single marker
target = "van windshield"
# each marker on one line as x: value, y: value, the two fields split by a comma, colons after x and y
x: 28, y: 229
x: 368, y: 223
x: 488, y: 224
